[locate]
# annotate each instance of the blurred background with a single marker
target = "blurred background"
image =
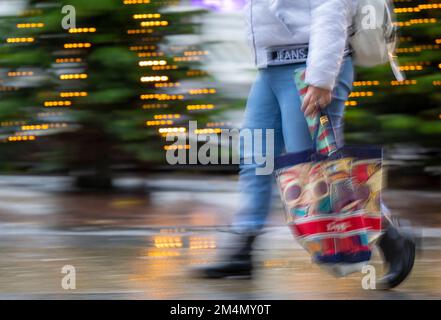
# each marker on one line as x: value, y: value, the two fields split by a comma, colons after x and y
x: 84, y: 115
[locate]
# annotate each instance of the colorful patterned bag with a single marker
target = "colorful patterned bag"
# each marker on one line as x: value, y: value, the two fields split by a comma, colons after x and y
x: 332, y: 196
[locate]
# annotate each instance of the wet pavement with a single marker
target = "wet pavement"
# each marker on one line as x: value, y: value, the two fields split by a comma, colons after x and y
x: 132, y: 245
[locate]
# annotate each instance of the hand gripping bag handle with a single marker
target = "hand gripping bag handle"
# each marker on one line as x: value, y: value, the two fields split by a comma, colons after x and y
x: 320, y: 126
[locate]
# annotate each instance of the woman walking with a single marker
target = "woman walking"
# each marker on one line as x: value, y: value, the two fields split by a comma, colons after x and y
x: 286, y: 35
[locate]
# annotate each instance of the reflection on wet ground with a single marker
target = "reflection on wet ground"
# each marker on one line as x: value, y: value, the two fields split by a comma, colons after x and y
x: 137, y: 246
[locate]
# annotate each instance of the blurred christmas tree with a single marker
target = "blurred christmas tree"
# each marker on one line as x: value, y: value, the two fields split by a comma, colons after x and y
x: 102, y: 95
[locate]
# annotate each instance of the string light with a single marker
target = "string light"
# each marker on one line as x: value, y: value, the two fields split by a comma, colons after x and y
x: 208, y: 131
x: 139, y: 31
x: 45, y: 126
x: 154, y: 23
x: 357, y: 94
x: 366, y: 83
x: 150, y: 54
x: 158, y: 68
x: 152, y: 63
x: 68, y: 60
x: 195, y: 53
x: 138, y: 48
x: 154, y: 78
x: 82, y: 30
x: 166, y: 116
x: 77, y: 45
x: 161, y: 96
x: 147, y: 16
x: 66, y: 103
x: 167, y: 85
x: 21, y: 74
x: 21, y: 138
x: 200, y: 107
x: 196, y: 73
x: 128, y: 2
x: 184, y: 59
x: 351, y: 103
x: 12, y: 123
x: 30, y: 25
x: 73, y: 94
x: 73, y: 76
x: 155, y: 106
x: 202, y: 91
x: 403, y: 83
x: 411, y: 68
x: 35, y: 127
x: 159, y: 123
x: 172, y: 130
x: 20, y: 40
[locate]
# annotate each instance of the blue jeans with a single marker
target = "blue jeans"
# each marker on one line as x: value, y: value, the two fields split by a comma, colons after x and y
x: 274, y: 103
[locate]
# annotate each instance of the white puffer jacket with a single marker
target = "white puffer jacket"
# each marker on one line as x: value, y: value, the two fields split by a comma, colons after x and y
x: 321, y: 23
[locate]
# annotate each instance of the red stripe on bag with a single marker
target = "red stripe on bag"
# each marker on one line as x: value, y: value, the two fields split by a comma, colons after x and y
x: 331, y: 225
x: 323, y: 135
x: 374, y: 223
x: 326, y: 150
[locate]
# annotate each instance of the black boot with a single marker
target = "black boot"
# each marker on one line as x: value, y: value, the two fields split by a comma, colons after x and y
x: 237, y: 263
x: 398, y: 251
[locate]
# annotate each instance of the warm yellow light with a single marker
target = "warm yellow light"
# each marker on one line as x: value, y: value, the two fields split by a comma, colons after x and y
x: 154, y: 78
x: 127, y: 2
x: 154, y: 23
x: 208, y: 131
x: 172, y: 130
x: 30, y: 25
x: 73, y: 94
x: 139, y: 31
x: 161, y: 96
x: 73, y: 76
x: 65, y: 103
x: 150, y: 54
x: 20, y: 74
x: 20, y: 40
x: 138, y: 48
x: 202, y: 91
x: 351, y: 103
x: 403, y: 83
x: 357, y: 94
x: 147, y: 16
x: 21, y: 138
x: 77, y: 45
x: 35, y: 127
x: 366, y: 83
x: 149, y: 63
x: 68, y: 60
x: 82, y: 30
x: 166, y: 116
x: 155, y: 106
x: 200, y: 107
x: 159, y: 123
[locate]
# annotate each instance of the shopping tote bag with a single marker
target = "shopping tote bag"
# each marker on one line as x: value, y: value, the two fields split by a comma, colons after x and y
x: 332, y: 196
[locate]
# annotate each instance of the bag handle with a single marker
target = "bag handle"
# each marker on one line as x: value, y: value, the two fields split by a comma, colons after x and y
x: 320, y: 126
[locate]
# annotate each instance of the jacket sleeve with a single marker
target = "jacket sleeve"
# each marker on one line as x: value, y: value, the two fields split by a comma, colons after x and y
x: 330, y: 20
